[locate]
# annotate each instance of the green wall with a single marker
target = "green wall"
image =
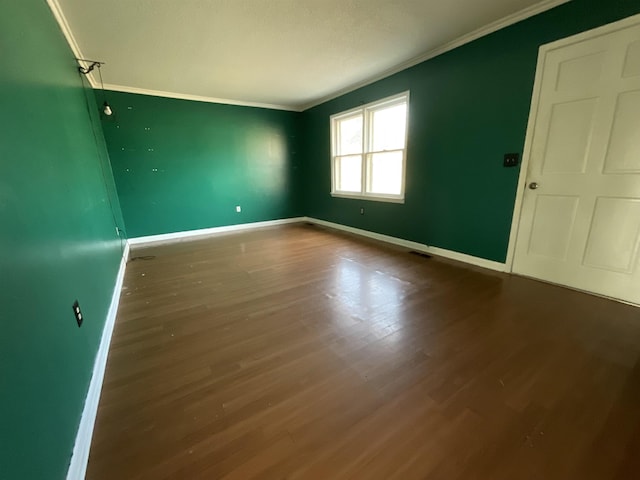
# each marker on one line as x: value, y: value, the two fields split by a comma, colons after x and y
x: 468, y: 108
x: 57, y: 242
x: 184, y: 165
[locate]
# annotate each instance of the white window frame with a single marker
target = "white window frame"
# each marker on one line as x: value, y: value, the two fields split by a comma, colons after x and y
x: 367, y: 112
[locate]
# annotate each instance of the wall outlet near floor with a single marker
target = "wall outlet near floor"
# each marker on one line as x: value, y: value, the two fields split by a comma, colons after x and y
x: 361, y: 210
x: 77, y: 313
x: 238, y: 208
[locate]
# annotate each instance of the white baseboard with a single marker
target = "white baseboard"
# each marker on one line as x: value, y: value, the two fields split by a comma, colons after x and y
x: 191, y: 234
x: 420, y: 247
x: 80, y: 457
x: 463, y: 257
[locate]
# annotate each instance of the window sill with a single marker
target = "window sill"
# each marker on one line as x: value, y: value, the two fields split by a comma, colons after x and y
x: 373, y: 198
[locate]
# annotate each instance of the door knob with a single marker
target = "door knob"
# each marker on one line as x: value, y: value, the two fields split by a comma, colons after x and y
x: 533, y: 185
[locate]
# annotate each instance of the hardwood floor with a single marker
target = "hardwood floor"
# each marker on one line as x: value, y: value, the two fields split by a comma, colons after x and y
x: 304, y: 353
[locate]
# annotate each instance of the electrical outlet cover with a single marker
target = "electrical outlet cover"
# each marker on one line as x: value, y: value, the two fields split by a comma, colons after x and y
x: 77, y: 313
x: 511, y: 159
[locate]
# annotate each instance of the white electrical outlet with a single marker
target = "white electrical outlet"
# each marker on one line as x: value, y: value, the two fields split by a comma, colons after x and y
x: 238, y: 208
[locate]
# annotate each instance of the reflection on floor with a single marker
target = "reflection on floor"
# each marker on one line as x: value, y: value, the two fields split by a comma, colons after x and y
x: 299, y: 352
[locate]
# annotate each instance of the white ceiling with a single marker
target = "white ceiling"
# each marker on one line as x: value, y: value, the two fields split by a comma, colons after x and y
x: 288, y: 54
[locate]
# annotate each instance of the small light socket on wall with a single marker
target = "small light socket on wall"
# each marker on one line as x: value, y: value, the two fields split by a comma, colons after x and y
x: 361, y: 210
x: 238, y: 208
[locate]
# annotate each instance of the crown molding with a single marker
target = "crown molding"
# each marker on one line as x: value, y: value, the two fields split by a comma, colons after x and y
x: 458, y: 42
x: 476, y: 34
x: 68, y: 34
x: 54, y: 5
x: 197, y: 98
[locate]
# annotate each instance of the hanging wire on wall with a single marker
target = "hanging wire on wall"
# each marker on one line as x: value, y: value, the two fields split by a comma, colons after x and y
x: 106, y: 108
x: 101, y: 147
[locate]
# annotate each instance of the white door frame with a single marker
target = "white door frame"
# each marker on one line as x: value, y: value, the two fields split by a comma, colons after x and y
x: 533, y: 116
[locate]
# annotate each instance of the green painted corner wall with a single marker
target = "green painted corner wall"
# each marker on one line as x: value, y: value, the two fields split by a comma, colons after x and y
x: 183, y: 165
x: 57, y: 242
x: 468, y: 108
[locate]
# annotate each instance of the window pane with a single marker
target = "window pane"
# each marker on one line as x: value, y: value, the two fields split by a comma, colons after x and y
x: 349, y: 173
x: 385, y: 173
x: 350, y: 136
x: 388, y: 128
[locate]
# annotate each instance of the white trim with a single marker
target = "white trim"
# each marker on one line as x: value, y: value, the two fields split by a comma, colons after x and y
x: 592, y: 33
x: 463, y: 257
x: 80, y: 457
x: 481, y: 32
x: 79, y: 460
x: 369, y: 197
x: 533, y: 116
x: 58, y: 13
x: 468, y: 38
x: 191, y: 234
x: 441, y: 252
x: 196, y: 98
x: 524, y: 165
x: 367, y: 152
x: 56, y: 9
x: 420, y: 247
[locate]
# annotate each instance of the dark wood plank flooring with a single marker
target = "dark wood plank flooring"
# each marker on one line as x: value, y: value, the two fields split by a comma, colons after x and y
x: 304, y: 353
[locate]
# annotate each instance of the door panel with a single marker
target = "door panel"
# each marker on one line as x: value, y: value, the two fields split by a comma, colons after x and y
x: 624, y: 148
x: 570, y: 128
x: 581, y: 226
x: 557, y: 214
x: 632, y: 61
x: 615, y: 230
x: 582, y: 72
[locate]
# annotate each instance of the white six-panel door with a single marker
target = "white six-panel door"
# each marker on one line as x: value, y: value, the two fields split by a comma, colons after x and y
x: 580, y: 219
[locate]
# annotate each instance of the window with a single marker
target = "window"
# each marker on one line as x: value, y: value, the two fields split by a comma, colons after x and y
x: 368, y: 150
